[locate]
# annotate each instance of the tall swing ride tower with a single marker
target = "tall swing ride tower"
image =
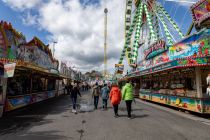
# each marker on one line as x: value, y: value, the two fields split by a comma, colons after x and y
x: 105, y: 41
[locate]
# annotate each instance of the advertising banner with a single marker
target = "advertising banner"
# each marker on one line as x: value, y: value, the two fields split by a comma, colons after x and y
x: 119, y: 68
x: 201, y: 10
x: 9, y: 70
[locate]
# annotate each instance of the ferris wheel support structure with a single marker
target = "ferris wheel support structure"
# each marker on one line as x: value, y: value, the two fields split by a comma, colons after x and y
x: 137, y: 34
x: 171, y: 21
x: 149, y: 16
x: 165, y: 28
x: 128, y: 36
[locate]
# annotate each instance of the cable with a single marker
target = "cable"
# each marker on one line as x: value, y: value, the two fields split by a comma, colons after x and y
x: 176, y: 10
x: 183, y: 18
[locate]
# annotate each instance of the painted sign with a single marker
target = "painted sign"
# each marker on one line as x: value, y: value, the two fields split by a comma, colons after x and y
x: 119, y: 68
x: 9, y: 70
x: 200, y: 11
x: 22, y: 101
x: 35, y: 55
x: 54, y: 71
x: 17, y: 102
x: 188, y: 62
x: 155, y: 49
x: 176, y: 101
x: 197, y: 45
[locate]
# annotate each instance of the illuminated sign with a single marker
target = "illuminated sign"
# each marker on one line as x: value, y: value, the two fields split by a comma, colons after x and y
x: 201, y: 11
x: 155, y: 49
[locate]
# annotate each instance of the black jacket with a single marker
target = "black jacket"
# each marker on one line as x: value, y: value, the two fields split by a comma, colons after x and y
x: 74, y: 92
x: 68, y: 89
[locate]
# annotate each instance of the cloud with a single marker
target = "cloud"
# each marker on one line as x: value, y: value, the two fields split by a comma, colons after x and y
x: 22, y: 4
x: 30, y: 19
x: 78, y: 28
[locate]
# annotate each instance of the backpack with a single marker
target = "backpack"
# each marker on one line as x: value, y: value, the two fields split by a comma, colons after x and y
x: 96, y: 91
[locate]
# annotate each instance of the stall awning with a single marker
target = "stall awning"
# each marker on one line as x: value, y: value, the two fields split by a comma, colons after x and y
x: 22, y: 65
x: 178, y: 63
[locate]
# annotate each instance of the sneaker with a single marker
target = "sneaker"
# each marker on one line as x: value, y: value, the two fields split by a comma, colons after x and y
x: 116, y: 115
x: 73, y: 111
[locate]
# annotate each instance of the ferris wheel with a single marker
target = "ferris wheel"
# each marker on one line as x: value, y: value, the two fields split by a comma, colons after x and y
x: 147, y: 23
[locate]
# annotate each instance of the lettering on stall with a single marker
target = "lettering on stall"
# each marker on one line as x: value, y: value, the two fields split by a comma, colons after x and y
x: 155, y: 49
x: 158, y: 68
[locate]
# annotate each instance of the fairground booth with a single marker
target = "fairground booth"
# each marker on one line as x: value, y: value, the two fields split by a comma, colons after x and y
x: 29, y: 72
x: 179, y: 75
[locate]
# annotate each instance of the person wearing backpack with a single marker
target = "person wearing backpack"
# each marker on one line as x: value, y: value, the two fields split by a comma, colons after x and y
x: 105, y: 96
x: 127, y: 96
x: 115, y: 98
x: 95, y: 95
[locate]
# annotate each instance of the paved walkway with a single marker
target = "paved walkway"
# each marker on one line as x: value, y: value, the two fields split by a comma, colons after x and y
x: 53, y: 120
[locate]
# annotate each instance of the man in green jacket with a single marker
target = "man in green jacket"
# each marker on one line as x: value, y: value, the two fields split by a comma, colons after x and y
x: 127, y: 96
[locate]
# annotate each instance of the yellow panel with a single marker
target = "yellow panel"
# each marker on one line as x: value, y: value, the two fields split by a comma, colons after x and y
x: 137, y: 2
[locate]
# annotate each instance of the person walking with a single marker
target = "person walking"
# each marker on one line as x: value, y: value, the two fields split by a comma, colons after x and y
x: 68, y: 88
x: 127, y: 96
x: 105, y: 96
x: 74, y: 92
x: 95, y: 95
x: 115, y: 98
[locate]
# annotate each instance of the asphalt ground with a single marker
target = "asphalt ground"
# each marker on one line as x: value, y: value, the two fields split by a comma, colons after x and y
x: 53, y: 120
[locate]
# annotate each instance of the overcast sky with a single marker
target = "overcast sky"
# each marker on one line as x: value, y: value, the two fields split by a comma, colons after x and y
x: 78, y: 25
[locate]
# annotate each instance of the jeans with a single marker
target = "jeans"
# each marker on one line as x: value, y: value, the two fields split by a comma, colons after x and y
x: 128, y: 105
x: 104, y: 103
x: 115, y: 109
x: 74, y: 102
x: 96, y: 98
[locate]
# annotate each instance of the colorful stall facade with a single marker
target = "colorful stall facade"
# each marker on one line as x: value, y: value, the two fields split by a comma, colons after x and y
x: 28, y: 73
x: 177, y: 76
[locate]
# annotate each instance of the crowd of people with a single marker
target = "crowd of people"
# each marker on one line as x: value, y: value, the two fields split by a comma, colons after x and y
x: 115, y: 95
x: 105, y: 92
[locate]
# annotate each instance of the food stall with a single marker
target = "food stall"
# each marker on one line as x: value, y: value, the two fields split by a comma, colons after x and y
x: 179, y: 75
x: 28, y: 72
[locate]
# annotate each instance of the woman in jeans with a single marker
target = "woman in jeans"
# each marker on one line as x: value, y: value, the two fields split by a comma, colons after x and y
x: 115, y: 97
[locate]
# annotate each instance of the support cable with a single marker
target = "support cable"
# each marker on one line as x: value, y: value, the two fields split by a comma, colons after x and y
x: 171, y: 20
x: 167, y: 33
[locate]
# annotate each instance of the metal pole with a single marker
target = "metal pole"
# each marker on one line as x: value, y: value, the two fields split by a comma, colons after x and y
x: 54, y: 48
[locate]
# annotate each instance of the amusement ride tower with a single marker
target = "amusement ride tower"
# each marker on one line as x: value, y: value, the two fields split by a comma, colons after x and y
x: 105, y: 42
